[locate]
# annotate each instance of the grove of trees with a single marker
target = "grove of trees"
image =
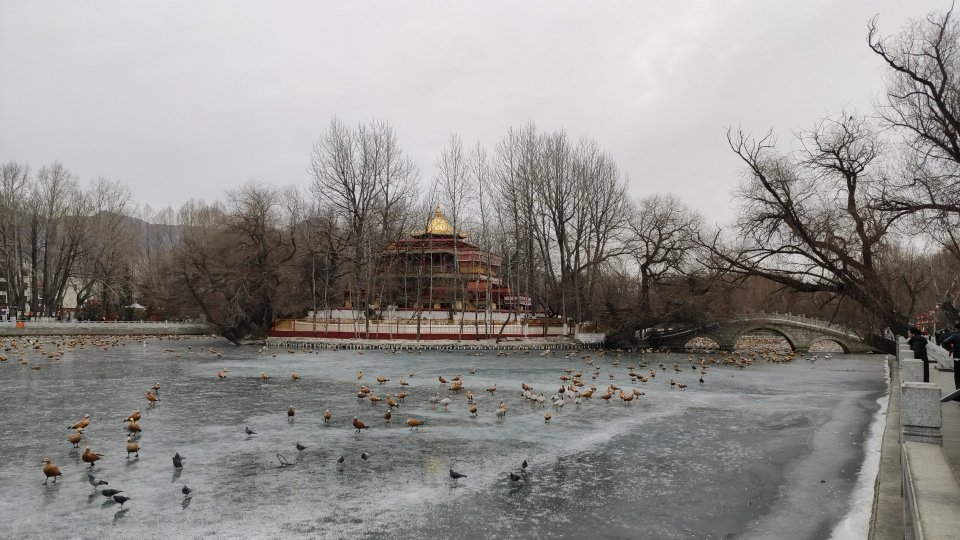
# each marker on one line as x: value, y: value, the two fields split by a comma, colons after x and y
x: 856, y: 221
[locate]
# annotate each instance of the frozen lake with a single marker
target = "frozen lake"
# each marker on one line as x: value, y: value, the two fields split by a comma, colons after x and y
x: 769, y: 450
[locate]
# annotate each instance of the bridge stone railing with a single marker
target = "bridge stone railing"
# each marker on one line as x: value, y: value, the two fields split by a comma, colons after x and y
x: 795, y: 319
x: 799, y: 330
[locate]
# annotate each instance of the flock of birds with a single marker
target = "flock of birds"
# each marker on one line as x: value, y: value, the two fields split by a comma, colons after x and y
x: 51, y: 470
x: 576, y: 386
x: 52, y: 351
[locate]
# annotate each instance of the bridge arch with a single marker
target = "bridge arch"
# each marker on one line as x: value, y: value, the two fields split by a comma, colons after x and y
x: 792, y: 340
x: 827, y: 339
x: 711, y: 342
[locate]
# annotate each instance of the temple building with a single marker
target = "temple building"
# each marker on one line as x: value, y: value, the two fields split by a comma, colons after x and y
x: 437, y: 269
x: 426, y: 286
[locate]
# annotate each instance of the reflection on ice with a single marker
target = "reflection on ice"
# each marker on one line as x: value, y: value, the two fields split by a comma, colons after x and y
x: 754, y: 443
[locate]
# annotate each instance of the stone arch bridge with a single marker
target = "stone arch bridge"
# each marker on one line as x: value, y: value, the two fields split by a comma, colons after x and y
x: 799, y: 331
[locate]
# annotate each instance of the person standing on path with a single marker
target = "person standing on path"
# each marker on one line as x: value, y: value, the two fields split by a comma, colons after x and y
x: 952, y: 343
x: 918, y: 344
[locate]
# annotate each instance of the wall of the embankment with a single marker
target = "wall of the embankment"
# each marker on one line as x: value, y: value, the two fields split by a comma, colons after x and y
x: 30, y: 328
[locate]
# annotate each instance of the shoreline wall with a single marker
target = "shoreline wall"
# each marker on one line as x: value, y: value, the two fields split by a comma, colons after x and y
x: 434, y: 345
x: 31, y: 328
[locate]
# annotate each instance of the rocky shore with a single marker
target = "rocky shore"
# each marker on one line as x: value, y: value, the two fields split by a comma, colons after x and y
x: 102, y: 328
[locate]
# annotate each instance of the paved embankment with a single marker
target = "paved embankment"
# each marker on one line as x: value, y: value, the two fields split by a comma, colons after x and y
x: 438, y: 344
x: 106, y: 328
x: 917, y: 493
x: 886, y: 522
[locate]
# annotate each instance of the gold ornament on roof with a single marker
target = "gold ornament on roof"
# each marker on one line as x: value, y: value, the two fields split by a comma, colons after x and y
x: 439, y: 225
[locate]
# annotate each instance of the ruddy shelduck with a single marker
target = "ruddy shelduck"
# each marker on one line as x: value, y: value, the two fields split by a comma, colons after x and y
x: 75, y: 437
x: 84, y: 422
x: 89, y: 456
x: 132, y: 447
x: 50, y: 471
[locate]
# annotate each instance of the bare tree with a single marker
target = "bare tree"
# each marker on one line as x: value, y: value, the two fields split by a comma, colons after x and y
x: 481, y: 180
x: 516, y: 165
x: 364, y: 177
x: 234, y: 259
x: 154, y: 262
x: 15, y: 183
x: 57, y: 207
x: 564, y: 204
x: 923, y: 104
x: 454, y: 188
x: 662, y: 237
x: 109, y: 243
x: 806, y: 220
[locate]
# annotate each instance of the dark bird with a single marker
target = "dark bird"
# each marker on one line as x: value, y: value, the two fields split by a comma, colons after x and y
x: 178, y: 460
x: 340, y: 459
x: 524, y: 464
x: 514, y: 476
x: 121, y: 499
x: 290, y: 413
x: 110, y: 492
x: 455, y: 475
x: 186, y: 491
x: 94, y: 481
x: 364, y: 456
x: 300, y: 447
x: 250, y: 431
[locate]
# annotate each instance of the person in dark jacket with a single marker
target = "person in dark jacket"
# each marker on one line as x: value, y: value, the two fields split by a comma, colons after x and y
x: 918, y: 344
x: 951, y: 342
x: 940, y: 335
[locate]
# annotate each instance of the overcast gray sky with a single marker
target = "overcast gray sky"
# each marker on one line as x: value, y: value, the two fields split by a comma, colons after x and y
x: 187, y: 99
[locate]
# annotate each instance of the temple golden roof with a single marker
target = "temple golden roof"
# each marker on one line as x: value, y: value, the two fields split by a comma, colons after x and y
x: 439, y: 226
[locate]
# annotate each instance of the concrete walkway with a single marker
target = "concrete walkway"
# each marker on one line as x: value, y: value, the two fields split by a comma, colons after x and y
x: 887, y: 521
x: 950, y: 410
x: 951, y: 420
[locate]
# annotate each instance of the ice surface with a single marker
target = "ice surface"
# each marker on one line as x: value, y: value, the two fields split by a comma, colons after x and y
x: 773, y: 449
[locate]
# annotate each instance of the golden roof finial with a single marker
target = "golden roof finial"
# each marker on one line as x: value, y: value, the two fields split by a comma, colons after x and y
x: 438, y: 224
